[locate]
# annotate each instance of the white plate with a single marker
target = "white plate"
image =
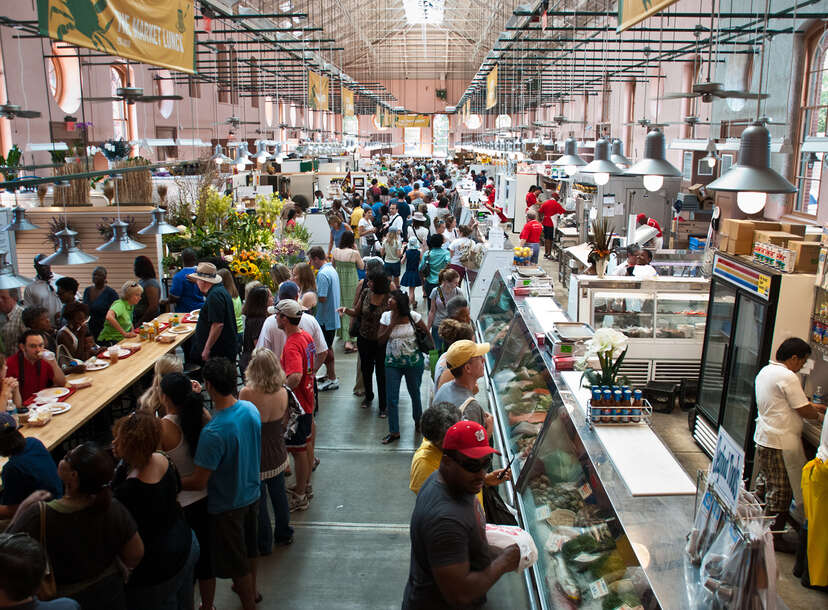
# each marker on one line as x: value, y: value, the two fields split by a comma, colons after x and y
x: 121, y: 352
x: 195, y: 312
x: 45, y: 400
x: 130, y: 346
x: 179, y: 330
x: 59, y: 407
x: 79, y: 381
x: 52, y: 393
x: 97, y: 365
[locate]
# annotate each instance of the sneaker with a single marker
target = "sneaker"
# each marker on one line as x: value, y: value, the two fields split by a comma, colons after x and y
x: 328, y: 384
x: 308, y: 491
x: 296, y: 503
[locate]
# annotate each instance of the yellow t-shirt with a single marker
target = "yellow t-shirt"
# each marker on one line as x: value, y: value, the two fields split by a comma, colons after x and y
x: 356, y: 216
x: 425, y: 461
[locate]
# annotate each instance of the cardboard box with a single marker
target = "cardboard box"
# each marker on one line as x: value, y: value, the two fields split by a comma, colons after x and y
x: 739, y: 230
x: 791, y: 227
x: 767, y: 225
x: 723, y: 242
x: 777, y: 238
x: 813, y: 237
x: 807, y: 255
x: 740, y: 246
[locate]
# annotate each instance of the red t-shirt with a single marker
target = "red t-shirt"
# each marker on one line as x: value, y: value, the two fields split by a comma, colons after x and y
x: 532, y: 232
x: 652, y: 223
x: 36, y: 375
x: 491, y: 196
x: 549, y: 209
x: 531, y: 199
x: 298, y: 356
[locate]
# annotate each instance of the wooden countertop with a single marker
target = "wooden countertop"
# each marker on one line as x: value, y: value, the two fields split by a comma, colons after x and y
x: 107, y: 384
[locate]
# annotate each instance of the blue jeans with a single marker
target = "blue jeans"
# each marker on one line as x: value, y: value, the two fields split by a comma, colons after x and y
x: 175, y: 593
x: 438, y: 341
x: 281, y: 513
x: 413, y: 379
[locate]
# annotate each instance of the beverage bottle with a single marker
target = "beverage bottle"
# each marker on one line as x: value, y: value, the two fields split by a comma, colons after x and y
x: 818, y: 398
x: 637, y: 398
x: 11, y: 409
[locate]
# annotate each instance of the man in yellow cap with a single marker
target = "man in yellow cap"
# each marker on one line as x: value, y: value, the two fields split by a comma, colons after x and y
x: 465, y: 361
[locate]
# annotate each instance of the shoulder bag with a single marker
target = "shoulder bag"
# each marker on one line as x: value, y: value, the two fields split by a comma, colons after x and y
x: 425, y: 342
x: 292, y: 414
x: 48, y: 587
x: 353, y: 329
x: 425, y: 270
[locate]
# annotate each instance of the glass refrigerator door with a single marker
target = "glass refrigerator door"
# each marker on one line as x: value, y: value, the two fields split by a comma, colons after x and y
x: 746, y: 347
x: 719, y: 329
x: 496, y: 313
x: 681, y: 315
x: 630, y: 312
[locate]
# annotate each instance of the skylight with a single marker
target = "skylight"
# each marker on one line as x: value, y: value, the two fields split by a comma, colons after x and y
x: 429, y: 12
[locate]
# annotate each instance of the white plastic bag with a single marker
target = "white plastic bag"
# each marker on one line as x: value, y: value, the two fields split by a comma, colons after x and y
x: 502, y: 536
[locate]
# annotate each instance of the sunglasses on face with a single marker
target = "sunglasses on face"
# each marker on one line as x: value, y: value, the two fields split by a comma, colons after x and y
x: 473, y: 466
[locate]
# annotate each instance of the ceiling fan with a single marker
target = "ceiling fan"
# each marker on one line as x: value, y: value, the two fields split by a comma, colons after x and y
x: 11, y: 111
x: 130, y: 95
x: 645, y: 122
x: 235, y: 121
x: 706, y: 92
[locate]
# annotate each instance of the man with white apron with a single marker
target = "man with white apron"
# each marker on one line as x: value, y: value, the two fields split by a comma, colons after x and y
x: 782, y: 405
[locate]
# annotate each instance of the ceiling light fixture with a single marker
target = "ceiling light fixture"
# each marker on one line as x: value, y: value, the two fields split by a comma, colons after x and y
x: 654, y: 166
x: 617, y: 154
x: 601, y: 167
x: 219, y: 157
x: 424, y: 12
x: 570, y: 160
x: 712, y: 156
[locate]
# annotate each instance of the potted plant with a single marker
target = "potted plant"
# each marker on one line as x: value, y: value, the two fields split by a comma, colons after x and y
x: 600, y: 245
x: 609, y: 346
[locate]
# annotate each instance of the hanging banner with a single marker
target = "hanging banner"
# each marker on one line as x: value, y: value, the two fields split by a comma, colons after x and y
x: 317, y: 91
x: 412, y: 120
x: 468, y: 110
x: 491, y: 89
x: 157, y: 32
x: 631, y: 12
x: 347, y: 102
x: 378, y: 115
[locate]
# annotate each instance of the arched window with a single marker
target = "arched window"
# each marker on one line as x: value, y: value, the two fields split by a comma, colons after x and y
x: 350, y: 125
x: 124, y: 116
x: 164, y: 86
x: 64, y: 77
x: 814, y: 124
x: 440, y: 135
x: 474, y: 121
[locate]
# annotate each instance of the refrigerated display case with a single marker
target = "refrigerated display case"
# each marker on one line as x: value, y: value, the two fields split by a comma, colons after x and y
x: 664, y: 319
x: 496, y: 314
x: 752, y: 309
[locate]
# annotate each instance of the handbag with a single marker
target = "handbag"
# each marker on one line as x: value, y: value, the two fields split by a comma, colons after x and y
x: 48, y: 586
x: 425, y: 270
x: 294, y: 411
x: 495, y: 508
x: 425, y: 342
x: 353, y: 329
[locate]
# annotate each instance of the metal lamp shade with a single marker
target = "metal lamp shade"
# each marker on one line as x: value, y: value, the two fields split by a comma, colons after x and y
x: 570, y: 156
x: 159, y: 224
x: 601, y: 164
x: 19, y: 222
x: 617, y: 153
x: 121, y: 241
x: 68, y: 252
x: 219, y: 157
x: 8, y: 278
x: 654, y: 162
x: 752, y: 172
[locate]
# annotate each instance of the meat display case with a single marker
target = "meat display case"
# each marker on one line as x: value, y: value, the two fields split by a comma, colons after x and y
x: 598, y: 546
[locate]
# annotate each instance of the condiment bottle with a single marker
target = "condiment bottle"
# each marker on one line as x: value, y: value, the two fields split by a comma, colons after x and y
x: 637, y: 398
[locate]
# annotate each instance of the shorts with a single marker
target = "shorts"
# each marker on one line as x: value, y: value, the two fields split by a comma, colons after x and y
x: 549, y: 233
x: 772, y: 484
x: 393, y: 269
x: 234, y: 538
x: 304, y: 434
x: 329, y: 335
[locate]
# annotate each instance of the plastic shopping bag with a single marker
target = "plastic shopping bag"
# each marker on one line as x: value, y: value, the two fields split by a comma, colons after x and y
x: 502, y: 536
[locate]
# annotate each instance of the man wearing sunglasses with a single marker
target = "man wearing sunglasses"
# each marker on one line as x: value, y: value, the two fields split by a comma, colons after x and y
x: 452, y: 565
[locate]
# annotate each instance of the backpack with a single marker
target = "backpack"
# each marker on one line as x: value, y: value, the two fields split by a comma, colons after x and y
x: 425, y: 270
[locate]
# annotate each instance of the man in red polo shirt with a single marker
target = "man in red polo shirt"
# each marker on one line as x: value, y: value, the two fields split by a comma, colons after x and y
x: 656, y: 242
x: 531, y: 234
x: 33, y: 366
x: 549, y: 210
x: 532, y: 197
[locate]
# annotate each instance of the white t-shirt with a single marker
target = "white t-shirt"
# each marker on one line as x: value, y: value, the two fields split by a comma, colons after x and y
x: 644, y: 271
x: 402, y: 342
x: 366, y: 224
x: 421, y: 233
x: 458, y: 248
x: 620, y: 269
x: 822, y: 450
x: 393, y: 251
x: 273, y: 338
x: 778, y: 394
x: 396, y: 221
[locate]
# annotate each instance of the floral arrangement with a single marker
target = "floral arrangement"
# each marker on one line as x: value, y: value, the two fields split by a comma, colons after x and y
x: 602, y: 237
x: 610, y: 347
x: 270, y: 207
x: 249, y: 265
x: 115, y: 150
x: 289, y: 251
x: 248, y: 231
x: 105, y: 228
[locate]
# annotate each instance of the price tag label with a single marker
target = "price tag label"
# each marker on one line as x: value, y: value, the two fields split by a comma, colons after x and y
x: 763, y: 284
x: 542, y: 512
x: 598, y: 589
x: 585, y: 490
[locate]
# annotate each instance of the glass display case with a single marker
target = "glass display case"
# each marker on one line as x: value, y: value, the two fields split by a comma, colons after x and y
x: 584, y: 557
x: 630, y: 313
x: 681, y: 316
x: 496, y: 313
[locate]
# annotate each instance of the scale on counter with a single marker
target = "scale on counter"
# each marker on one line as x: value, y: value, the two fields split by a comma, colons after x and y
x: 569, y: 338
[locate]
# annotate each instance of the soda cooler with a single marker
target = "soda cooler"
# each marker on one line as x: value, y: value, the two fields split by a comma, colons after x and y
x: 752, y: 309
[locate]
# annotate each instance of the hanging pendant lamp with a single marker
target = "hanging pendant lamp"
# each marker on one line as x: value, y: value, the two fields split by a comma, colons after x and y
x: 18, y: 221
x: 219, y: 158
x: 570, y: 160
x: 617, y: 154
x: 654, y: 166
x: 752, y: 177
x: 712, y: 156
x: 68, y: 252
x: 601, y: 167
x: 243, y: 158
x: 120, y: 240
x: 8, y: 278
x: 159, y: 224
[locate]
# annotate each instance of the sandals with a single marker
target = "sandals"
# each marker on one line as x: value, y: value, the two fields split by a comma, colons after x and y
x: 390, y: 438
x: 258, y: 599
x: 315, y: 464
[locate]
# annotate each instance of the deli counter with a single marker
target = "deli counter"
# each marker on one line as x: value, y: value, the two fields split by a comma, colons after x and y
x: 599, y: 544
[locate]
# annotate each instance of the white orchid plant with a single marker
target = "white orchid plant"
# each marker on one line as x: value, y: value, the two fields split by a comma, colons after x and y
x: 610, y: 347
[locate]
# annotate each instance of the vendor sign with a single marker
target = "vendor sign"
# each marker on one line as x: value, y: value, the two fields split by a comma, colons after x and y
x: 347, y: 102
x: 317, y: 91
x: 412, y: 120
x: 491, y: 89
x: 157, y: 32
x: 631, y: 12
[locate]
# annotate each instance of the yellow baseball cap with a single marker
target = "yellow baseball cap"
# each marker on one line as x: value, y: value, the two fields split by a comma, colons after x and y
x: 464, y: 350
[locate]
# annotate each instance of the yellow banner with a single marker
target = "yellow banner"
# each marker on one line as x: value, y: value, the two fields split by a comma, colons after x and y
x: 491, y: 89
x: 317, y: 91
x: 347, y: 102
x: 468, y: 110
x: 413, y: 120
x: 631, y: 12
x: 157, y: 32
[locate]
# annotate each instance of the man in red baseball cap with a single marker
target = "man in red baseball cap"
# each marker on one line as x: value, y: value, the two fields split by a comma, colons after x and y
x: 451, y: 565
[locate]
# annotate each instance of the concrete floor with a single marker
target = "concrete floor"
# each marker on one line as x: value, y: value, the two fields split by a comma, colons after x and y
x: 351, y: 548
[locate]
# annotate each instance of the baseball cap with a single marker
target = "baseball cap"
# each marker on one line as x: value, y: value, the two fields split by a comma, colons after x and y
x: 7, y: 422
x: 468, y: 438
x: 288, y: 290
x: 464, y: 350
x: 289, y: 308
x: 641, y: 218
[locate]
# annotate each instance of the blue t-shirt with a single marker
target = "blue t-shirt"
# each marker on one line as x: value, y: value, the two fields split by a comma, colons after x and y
x: 337, y: 234
x: 28, y: 471
x: 61, y: 603
x: 327, y: 287
x: 403, y: 208
x: 230, y: 446
x: 189, y: 296
x: 377, y: 210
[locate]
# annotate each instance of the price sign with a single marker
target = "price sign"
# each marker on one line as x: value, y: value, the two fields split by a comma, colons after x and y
x: 598, y: 588
x: 542, y: 512
x: 727, y: 469
x: 763, y: 284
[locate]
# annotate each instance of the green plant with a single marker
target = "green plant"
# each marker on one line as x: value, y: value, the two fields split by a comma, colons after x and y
x: 57, y: 223
x: 248, y: 231
x: 442, y: 94
x: 213, y: 208
x: 299, y: 233
x: 105, y: 229
x: 269, y: 207
x: 602, y: 232
x: 58, y: 156
x: 609, y: 346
